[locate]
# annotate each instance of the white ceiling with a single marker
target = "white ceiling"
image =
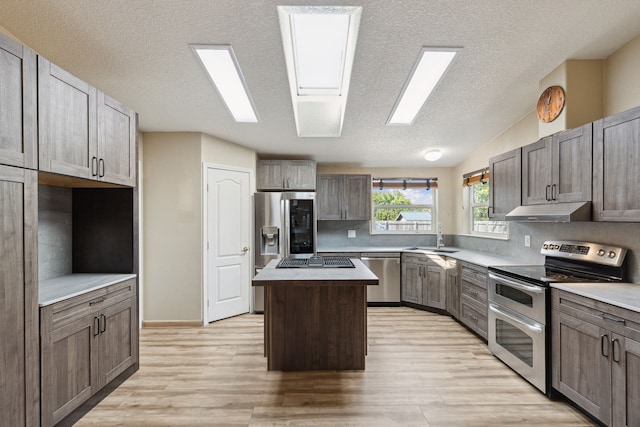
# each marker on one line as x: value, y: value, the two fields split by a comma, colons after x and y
x: 138, y: 52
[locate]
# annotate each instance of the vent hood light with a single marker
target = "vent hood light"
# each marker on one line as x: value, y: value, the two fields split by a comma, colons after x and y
x: 221, y: 65
x: 431, y: 65
x: 319, y: 46
x: 433, y: 155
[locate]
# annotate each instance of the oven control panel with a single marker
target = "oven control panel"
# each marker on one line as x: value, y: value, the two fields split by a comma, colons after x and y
x: 585, y: 251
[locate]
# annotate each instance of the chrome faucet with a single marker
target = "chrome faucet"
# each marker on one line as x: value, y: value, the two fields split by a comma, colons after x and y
x: 439, y: 240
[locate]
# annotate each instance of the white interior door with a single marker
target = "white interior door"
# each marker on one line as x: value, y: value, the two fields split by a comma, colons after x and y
x: 228, y: 236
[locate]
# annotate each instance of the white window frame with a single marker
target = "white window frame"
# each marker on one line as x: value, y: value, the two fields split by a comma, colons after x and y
x: 434, y: 216
x: 472, y: 205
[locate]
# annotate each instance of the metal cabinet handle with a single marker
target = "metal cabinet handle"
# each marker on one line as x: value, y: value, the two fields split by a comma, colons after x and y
x: 606, y: 316
x: 97, y: 300
x: 473, y: 292
x: 96, y: 326
x: 103, y: 320
x: 553, y: 191
x: 615, y: 343
x: 94, y: 166
x: 546, y: 193
x: 101, y: 168
x: 604, y: 344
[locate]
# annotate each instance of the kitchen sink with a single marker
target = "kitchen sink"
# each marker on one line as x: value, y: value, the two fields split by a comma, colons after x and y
x: 431, y: 249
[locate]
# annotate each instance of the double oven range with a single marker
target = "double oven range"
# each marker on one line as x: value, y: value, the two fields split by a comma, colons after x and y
x: 519, y: 302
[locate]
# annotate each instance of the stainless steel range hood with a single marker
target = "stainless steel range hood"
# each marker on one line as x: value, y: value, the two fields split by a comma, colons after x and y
x: 556, y: 212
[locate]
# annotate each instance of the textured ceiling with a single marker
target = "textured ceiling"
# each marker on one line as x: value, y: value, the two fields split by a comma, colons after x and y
x: 137, y: 51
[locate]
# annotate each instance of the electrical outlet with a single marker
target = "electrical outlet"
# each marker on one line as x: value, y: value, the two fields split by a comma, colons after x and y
x: 351, y: 234
x: 527, y: 241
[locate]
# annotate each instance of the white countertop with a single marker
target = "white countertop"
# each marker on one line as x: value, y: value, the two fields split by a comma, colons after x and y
x: 474, y: 257
x: 625, y: 295
x: 61, y: 288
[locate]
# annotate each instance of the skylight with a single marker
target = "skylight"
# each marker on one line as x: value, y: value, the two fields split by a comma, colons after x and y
x: 431, y: 65
x: 319, y: 45
x: 222, y: 67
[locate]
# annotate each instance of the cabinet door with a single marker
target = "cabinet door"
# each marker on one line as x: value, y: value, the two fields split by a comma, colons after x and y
x: 536, y: 172
x: 300, y: 175
x: 329, y: 197
x: 616, y: 150
x: 270, y: 175
x: 116, y: 142
x: 69, y: 367
x: 18, y: 295
x: 504, y: 183
x: 581, y: 368
x: 412, y: 283
x: 433, y: 287
x: 118, y: 349
x: 18, y: 103
x: 453, y: 293
x: 356, y: 199
x: 571, y: 168
x: 625, y: 382
x: 67, y: 120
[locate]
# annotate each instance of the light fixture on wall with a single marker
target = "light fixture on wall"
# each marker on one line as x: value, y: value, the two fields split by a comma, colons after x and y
x: 431, y: 65
x: 221, y: 65
x: 319, y: 46
x: 433, y: 155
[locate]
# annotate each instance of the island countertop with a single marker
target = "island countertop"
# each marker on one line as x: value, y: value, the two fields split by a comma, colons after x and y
x: 360, y: 275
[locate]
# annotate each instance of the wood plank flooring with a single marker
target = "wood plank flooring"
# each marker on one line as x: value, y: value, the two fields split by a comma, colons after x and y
x: 422, y: 369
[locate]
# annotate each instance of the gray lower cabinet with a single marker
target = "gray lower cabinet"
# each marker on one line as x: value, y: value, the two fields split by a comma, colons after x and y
x: 86, y: 342
x: 423, y: 280
x: 616, y: 150
x: 505, y: 183
x: 19, y: 361
x: 18, y: 105
x: 596, y: 357
x: 344, y: 197
x: 82, y: 132
x: 473, y: 298
x: 453, y: 288
x: 279, y: 175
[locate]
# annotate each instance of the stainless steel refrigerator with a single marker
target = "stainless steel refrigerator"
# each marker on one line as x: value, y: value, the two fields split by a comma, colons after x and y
x: 285, y: 226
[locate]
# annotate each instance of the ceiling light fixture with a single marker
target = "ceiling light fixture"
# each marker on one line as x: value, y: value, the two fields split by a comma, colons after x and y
x: 319, y: 46
x: 431, y: 65
x: 221, y: 65
x: 433, y: 155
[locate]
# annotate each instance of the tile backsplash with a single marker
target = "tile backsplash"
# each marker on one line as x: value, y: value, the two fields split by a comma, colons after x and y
x: 54, y: 232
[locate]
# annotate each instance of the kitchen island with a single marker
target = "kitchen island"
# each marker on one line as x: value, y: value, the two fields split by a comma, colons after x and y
x: 315, y: 318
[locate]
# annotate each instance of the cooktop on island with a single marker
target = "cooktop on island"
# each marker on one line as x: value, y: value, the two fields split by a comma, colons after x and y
x: 316, y: 262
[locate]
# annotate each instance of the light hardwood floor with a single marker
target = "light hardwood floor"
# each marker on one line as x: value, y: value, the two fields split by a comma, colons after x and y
x: 423, y: 369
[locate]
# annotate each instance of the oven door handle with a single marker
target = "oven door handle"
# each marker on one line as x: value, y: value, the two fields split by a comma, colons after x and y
x: 533, y: 328
x: 520, y: 286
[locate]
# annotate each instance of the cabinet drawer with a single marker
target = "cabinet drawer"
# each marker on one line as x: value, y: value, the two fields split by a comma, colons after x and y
x: 473, y: 290
x: 475, y: 276
x: 474, y: 315
x: 610, y: 317
x: 65, y: 312
x: 414, y: 258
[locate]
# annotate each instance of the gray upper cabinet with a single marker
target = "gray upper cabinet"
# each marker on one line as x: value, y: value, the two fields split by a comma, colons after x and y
x: 278, y: 175
x: 344, y: 197
x: 616, y: 162
x: 18, y: 100
x: 19, y: 363
x: 82, y: 132
x: 116, y: 141
x: 504, y: 183
x: 558, y: 168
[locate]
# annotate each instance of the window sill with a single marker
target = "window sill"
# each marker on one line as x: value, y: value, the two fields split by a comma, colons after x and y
x: 484, y: 236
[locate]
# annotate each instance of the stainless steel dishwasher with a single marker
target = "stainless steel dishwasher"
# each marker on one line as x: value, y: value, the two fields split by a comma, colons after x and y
x: 385, y: 265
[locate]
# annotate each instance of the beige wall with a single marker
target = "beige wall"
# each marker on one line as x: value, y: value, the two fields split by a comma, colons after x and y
x: 621, y: 82
x: 172, y: 263
x: 172, y: 188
